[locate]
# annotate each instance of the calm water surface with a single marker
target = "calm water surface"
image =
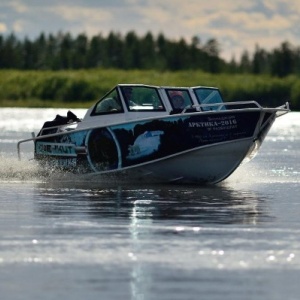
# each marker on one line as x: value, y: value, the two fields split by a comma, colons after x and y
x: 61, y: 238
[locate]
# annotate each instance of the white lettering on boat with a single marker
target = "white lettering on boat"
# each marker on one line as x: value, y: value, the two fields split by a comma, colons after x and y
x: 221, y: 123
x: 55, y: 149
x: 64, y: 163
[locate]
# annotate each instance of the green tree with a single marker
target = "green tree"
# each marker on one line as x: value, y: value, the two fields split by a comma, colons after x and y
x: 212, y: 49
x: 282, y: 60
x: 52, y: 53
x: 114, y: 51
x: 96, y: 52
x: 28, y: 55
x: 80, y: 50
x: 161, y: 50
x: 232, y: 66
x: 261, y: 61
x: 148, y: 52
x: 11, y: 52
x: 245, y: 64
x: 196, y: 54
x: 66, y: 54
x: 132, y: 58
x: 40, y: 46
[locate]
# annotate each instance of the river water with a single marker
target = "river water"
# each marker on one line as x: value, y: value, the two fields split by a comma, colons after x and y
x: 61, y: 238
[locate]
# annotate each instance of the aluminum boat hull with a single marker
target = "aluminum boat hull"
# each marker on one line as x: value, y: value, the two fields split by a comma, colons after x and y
x: 151, y: 139
x: 152, y: 154
x: 207, y: 165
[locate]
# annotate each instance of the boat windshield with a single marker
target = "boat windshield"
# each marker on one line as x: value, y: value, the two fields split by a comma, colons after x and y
x: 110, y: 103
x: 209, y: 96
x: 142, y: 98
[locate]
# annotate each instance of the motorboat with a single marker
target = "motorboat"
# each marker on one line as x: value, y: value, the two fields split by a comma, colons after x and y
x: 160, y: 133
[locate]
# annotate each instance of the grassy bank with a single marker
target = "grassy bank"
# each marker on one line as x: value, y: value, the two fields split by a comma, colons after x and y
x: 82, y: 88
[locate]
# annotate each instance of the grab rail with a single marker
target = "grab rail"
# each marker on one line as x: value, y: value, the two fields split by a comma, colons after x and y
x: 24, y: 141
x: 220, y: 106
x: 41, y: 136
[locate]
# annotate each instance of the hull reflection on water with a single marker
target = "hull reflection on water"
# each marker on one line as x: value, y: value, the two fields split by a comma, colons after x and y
x: 214, y: 205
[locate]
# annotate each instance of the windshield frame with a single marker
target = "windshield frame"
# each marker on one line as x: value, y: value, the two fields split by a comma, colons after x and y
x: 96, y: 112
x: 140, y: 102
x: 214, y: 98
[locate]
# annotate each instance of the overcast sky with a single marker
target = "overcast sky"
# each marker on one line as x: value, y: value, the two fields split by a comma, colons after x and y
x: 237, y: 24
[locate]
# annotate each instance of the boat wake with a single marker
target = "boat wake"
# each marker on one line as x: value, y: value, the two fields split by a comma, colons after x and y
x: 12, y: 169
x: 28, y: 170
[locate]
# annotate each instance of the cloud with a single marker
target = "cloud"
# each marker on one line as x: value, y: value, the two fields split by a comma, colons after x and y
x: 3, y: 27
x: 236, y: 24
x: 18, y: 6
x: 81, y: 14
x: 239, y: 26
x: 18, y: 26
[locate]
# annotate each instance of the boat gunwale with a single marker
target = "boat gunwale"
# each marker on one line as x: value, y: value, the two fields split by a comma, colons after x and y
x: 183, y: 113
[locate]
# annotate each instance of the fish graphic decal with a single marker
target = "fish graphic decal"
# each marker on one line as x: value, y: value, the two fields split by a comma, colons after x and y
x: 145, y: 144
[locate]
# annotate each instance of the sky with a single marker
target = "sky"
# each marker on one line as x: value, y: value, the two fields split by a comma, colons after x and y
x: 238, y: 25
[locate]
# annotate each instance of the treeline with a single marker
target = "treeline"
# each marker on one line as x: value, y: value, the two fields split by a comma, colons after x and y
x: 65, y: 52
x: 282, y: 61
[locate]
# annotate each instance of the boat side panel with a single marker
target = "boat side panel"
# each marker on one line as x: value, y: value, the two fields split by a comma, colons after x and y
x: 135, y: 143
x: 142, y: 142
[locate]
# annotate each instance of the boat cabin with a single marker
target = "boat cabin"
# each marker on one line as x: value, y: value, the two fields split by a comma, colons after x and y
x: 128, y: 102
